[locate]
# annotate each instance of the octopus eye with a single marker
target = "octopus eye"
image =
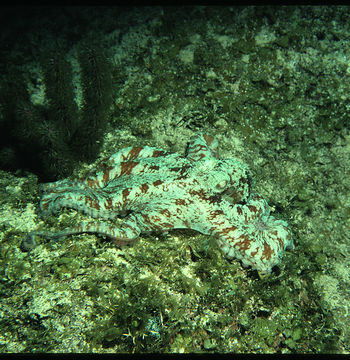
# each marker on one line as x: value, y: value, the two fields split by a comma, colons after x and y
x: 221, y: 185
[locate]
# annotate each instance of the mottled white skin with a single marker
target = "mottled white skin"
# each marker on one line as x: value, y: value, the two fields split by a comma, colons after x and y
x: 158, y: 191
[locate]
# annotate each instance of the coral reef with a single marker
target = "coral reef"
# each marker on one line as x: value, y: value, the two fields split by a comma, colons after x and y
x: 50, y: 137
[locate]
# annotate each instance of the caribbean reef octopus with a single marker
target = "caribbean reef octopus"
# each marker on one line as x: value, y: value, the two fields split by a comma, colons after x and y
x: 155, y: 190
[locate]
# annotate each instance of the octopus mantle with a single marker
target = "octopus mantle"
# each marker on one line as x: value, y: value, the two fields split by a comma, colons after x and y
x: 154, y: 190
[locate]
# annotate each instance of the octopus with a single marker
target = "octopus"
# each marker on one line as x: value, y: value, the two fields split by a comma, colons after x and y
x: 153, y: 190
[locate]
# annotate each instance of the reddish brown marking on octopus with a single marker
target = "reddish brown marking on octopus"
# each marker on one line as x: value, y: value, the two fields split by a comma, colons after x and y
x: 126, y: 225
x: 227, y: 230
x: 214, y: 214
x: 201, y: 156
x: 253, y: 208
x: 274, y: 233
x: 280, y: 242
x: 165, y: 225
x: 158, y: 153
x: 200, y: 194
x: 244, y: 244
x: 105, y: 177
x: 125, y: 194
x: 165, y: 212
x: 184, y: 185
x: 187, y: 224
x: 109, y: 204
x: 180, y: 202
x: 197, y: 149
x: 144, y: 188
x: 178, y: 211
x: 156, y: 219
x: 267, y: 252
x: 126, y: 167
x: 155, y: 223
x: 96, y: 205
x: 87, y: 226
x: 153, y: 167
x: 208, y: 139
x: 183, y: 171
x: 157, y: 182
x: 213, y: 229
x: 214, y: 199
x: 133, y: 153
x: 239, y: 210
x: 93, y: 183
x: 92, y: 203
x: 254, y: 253
x: 146, y: 218
x: 243, y: 180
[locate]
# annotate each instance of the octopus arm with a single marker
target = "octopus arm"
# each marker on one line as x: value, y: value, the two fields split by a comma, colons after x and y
x: 259, y: 244
x: 202, y: 146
